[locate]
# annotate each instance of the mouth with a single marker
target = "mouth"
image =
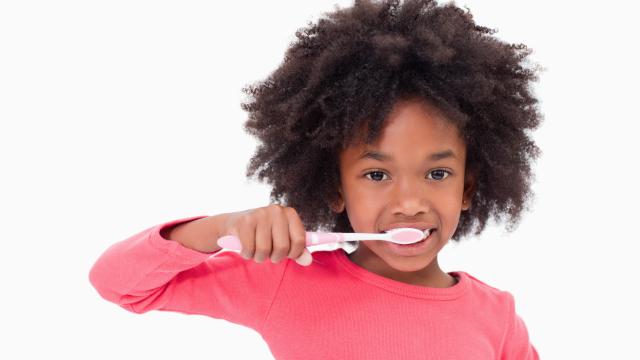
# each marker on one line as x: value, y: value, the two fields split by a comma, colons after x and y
x: 420, y: 225
x: 413, y: 249
x: 426, y: 231
x: 411, y: 239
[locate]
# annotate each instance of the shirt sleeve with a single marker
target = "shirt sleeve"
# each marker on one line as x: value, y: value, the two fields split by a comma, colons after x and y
x: 516, y: 345
x: 147, y: 272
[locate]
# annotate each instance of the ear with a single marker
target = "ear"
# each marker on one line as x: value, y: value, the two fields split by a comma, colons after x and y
x: 469, y: 189
x: 337, y: 204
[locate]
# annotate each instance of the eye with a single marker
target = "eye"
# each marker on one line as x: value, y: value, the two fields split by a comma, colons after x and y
x: 439, y: 172
x: 375, y: 172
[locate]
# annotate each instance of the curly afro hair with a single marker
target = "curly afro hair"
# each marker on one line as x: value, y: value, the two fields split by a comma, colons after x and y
x: 350, y: 68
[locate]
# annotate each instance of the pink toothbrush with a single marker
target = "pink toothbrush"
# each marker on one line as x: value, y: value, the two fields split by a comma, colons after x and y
x: 398, y: 236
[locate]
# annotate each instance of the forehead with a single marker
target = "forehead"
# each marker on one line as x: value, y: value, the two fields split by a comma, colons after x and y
x: 412, y: 128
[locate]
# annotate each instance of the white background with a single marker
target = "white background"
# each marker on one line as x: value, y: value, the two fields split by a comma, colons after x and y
x: 116, y: 116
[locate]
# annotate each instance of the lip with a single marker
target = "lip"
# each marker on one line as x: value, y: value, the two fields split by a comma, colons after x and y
x: 417, y: 225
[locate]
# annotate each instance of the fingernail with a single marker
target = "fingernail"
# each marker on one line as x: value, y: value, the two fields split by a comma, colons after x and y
x: 305, y: 259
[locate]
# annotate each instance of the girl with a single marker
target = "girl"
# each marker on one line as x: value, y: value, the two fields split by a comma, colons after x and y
x: 382, y: 115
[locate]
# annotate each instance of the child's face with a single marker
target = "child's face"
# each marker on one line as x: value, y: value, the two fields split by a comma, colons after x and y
x: 408, y: 187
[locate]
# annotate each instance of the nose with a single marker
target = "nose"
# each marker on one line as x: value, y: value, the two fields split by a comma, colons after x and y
x: 410, y: 198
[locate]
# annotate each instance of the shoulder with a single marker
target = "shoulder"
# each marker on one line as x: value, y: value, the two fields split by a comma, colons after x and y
x: 497, y: 307
x: 484, y: 287
x: 490, y: 296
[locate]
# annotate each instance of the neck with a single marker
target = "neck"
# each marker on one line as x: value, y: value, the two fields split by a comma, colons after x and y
x: 429, y: 276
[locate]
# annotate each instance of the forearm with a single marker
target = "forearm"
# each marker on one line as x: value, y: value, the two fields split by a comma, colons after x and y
x: 200, y: 235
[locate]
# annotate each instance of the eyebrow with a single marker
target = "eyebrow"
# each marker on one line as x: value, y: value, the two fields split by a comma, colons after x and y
x: 372, y: 154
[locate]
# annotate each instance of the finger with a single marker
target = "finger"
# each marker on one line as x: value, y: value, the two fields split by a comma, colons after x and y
x: 246, y: 231
x: 280, y: 235
x: 263, y: 237
x: 297, y: 233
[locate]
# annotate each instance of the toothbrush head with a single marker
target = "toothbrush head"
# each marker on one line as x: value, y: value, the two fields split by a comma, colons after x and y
x: 407, y: 235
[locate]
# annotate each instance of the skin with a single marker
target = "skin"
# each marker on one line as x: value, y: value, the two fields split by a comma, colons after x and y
x: 409, y: 188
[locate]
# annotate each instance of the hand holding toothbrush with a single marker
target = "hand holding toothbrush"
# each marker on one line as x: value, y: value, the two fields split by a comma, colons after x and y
x: 273, y: 231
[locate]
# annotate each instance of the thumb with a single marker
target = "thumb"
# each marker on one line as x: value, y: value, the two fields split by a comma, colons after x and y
x: 305, y: 259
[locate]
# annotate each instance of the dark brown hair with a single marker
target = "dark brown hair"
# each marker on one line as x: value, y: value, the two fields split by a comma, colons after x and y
x: 350, y: 67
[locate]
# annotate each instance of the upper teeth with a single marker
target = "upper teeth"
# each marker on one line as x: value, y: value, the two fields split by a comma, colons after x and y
x: 424, y: 230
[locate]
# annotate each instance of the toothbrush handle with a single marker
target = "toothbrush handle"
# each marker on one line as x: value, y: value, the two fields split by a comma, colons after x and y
x: 232, y: 242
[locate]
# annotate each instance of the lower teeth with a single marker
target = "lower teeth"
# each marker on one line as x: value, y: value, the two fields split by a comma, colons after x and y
x: 416, y: 243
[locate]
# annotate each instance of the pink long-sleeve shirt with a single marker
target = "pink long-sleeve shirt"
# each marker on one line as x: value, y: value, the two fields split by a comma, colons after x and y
x: 332, y: 309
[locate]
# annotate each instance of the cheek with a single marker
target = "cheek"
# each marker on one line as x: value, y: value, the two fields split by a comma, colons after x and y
x: 365, y: 196
x: 362, y: 214
x: 450, y: 215
x: 358, y: 197
x: 360, y: 220
x: 451, y: 206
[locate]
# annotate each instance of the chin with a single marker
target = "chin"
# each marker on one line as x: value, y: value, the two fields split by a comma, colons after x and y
x: 408, y: 263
